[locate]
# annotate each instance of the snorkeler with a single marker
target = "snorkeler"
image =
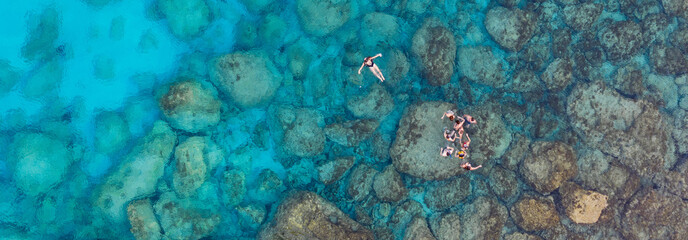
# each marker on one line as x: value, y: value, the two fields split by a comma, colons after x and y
x: 450, y: 135
x: 458, y: 124
x: 469, y: 120
x: 446, y: 151
x: 468, y: 166
x: 466, y: 144
x: 461, y: 154
x: 368, y: 62
x: 449, y: 114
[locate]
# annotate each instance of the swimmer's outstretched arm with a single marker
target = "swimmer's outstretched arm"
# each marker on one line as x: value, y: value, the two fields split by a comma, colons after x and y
x: 359, y: 69
x: 376, y: 56
x: 469, y: 138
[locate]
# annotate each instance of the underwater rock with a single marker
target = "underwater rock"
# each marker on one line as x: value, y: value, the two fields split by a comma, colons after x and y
x: 582, y: 16
x: 299, y: 58
x: 306, y: 215
x: 415, y: 150
x: 503, y: 183
x: 9, y: 76
x: 47, y: 78
x: 233, y: 187
x: 534, y: 214
x: 379, y: 28
x: 668, y: 60
x: 181, y: 219
x: 447, y: 193
x: 320, y: 18
x: 435, y: 48
x: 376, y: 104
x: 44, y: 29
x: 138, y: 173
x: 250, y: 78
x: 490, y: 134
x: 481, y: 66
x: 549, y: 165
x: 484, y: 218
x: 332, y: 171
x: 675, y: 182
x: 194, y: 158
x: 675, y: 7
x: 251, y: 215
x: 607, y: 121
x: 39, y: 161
x: 629, y: 81
x: 558, y: 74
x: 388, y: 185
x: 418, y: 229
x: 679, y: 39
x: 186, y: 18
x: 656, y: 29
x: 144, y: 225
x: 404, y: 213
x: 303, y: 134
x: 396, y: 68
x: 111, y: 133
x: 521, y: 236
x: 524, y: 81
x: 582, y: 206
x: 621, y: 40
x: 190, y: 105
x: 273, y: 31
x: 256, y: 5
x: 351, y: 133
x: 447, y: 226
x: 600, y: 172
x: 511, y: 28
x: 656, y: 214
x: 269, y: 187
x: 361, y: 182
x: 516, y: 153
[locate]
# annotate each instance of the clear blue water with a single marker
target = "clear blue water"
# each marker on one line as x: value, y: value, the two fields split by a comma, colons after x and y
x: 92, y: 147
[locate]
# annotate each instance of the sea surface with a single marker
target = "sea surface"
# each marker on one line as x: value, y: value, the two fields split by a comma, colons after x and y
x: 245, y: 119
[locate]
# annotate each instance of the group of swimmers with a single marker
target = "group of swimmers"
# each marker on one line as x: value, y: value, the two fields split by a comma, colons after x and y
x: 457, y: 132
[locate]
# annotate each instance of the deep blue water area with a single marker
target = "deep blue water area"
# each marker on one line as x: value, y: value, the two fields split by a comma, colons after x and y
x: 260, y: 119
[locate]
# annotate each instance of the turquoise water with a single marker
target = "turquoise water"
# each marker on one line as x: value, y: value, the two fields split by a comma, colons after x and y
x: 241, y: 119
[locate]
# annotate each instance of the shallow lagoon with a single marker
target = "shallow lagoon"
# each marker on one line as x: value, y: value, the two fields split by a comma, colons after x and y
x: 235, y: 119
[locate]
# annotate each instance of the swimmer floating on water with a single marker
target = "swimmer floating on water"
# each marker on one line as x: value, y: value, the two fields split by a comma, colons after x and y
x: 466, y: 144
x: 449, y: 114
x: 368, y: 62
x: 450, y: 135
x: 446, y: 151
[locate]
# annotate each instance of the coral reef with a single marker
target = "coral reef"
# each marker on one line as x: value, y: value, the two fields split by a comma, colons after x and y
x: 306, y: 215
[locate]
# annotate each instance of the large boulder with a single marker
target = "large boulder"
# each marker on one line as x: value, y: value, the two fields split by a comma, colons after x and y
x: 195, y: 158
x: 490, y: 137
x: 630, y: 130
x: 480, y: 65
x: 249, y: 78
x: 534, y: 214
x: 9, y: 75
x: 621, y: 40
x: 510, y: 28
x: 418, y: 229
x: 415, y: 150
x: 190, y: 105
x: 388, y: 185
x: 580, y: 17
x: 447, y: 193
x: 549, y: 165
x: 303, y: 132
x: 380, y: 28
x: 503, y: 183
x: 435, y: 48
x: 484, y: 218
x: 186, y: 19
x: 351, y: 133
x: 604, y: 174
x: 361, y: 182
x: 138, y: 174
x: 39, y: 161
x: 447, y: 226
x: 306, y: 215
x: 654, y: 214
x: 320, y: 18
x: 668, y: 60
x: 144, y: 225
x: 183, y: 218
x: 582, y: 206
x: 333, y: 170
x: 558, y: 74
x: 375, y: 104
